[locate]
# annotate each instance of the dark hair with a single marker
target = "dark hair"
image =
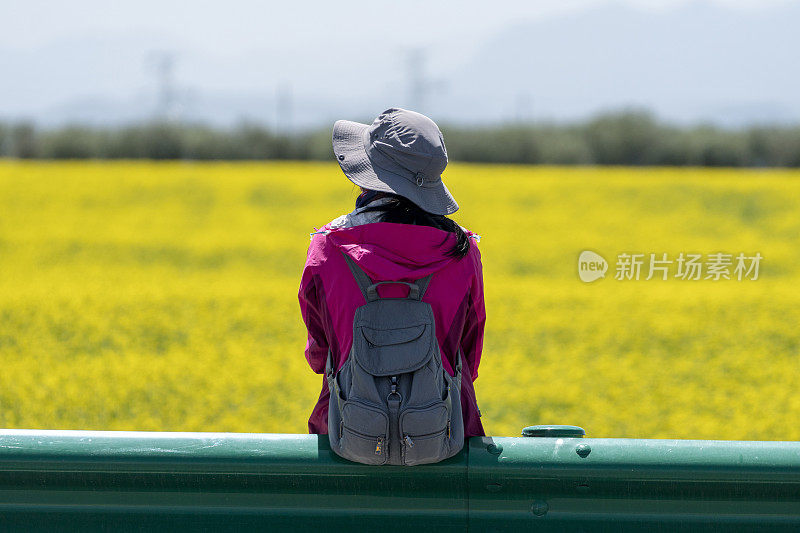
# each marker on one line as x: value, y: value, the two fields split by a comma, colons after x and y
x: 401, y: 210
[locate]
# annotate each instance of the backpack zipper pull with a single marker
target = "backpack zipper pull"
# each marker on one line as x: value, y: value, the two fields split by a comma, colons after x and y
x: 448, y: 429
x: 379, y: 446
x: 409, y: 442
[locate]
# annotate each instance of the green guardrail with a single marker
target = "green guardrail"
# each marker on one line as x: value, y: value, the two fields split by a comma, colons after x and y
x: 552, y: 480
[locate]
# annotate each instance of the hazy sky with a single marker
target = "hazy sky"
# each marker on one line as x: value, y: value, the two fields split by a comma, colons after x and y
x: 239, y: 25
x: 98, y: 59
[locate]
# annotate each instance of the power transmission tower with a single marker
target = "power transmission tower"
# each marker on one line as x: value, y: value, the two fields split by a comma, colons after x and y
x: 163, y: 66
x: 283, y: 109
x: 417, y: 84
x: 524, y: 108
x: 420, y: 85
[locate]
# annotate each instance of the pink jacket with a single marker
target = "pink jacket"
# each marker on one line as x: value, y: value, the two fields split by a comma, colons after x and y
x: 329, y: 297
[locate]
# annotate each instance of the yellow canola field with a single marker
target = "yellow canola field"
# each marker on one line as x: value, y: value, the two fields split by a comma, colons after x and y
x: 163, y: 296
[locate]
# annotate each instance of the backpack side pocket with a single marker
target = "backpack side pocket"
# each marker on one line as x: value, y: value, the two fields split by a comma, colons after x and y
x: 425, y: 434
x: 364, y: 433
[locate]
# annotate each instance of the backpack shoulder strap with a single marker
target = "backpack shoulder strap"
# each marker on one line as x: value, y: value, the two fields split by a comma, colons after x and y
x: 369, y: 288
x: 362, y: 279
x: 423, y: 285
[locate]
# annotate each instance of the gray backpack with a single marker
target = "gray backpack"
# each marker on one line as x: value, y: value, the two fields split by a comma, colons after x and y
x: 392, y: 402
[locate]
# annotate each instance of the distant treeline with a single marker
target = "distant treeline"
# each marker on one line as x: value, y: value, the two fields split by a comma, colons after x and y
x: 624, y: 138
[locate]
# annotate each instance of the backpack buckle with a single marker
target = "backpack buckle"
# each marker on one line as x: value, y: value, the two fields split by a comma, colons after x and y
x: 394, y: 392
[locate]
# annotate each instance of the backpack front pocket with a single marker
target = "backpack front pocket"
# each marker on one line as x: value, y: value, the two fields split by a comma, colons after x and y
x: 424, y: 434
x: 364, y: 433
x: 393, y: 351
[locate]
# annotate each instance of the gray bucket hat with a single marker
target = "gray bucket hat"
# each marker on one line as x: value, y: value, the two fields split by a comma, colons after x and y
x: 402, y: 152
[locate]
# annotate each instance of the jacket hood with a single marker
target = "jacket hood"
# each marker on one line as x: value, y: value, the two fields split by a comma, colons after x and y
x: 389, y: 251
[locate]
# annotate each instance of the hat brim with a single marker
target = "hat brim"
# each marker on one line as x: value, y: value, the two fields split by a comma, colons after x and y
x: 350, y: 141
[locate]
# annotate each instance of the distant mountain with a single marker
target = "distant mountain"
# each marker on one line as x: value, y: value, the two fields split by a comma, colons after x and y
x: 698, y: 62
x: 695, y: 63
